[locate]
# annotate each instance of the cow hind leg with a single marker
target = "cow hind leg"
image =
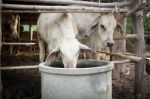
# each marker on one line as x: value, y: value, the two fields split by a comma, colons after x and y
x: 16, y: 48
x: 11, y: 49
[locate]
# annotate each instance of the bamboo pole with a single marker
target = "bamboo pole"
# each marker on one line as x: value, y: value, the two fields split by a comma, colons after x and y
x: 128, y: 36
x: 122, y: 61
x: 19, y: 67
x: 83, y: 3
x: 25, y: 43
x: 132, y: 58
x: 1, y: 87
x: 55, y: 9
x: 139, y: 67
x: 65, y: 11
x: 36, y: 66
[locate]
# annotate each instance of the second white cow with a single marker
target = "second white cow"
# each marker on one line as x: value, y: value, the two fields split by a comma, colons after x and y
x: 98, y: 29
x: 58, y: 31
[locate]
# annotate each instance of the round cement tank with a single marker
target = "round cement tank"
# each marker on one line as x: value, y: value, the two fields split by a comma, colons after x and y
x: 92, y: 79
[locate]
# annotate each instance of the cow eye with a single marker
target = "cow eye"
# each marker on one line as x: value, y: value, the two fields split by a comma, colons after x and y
x: 103, y: 27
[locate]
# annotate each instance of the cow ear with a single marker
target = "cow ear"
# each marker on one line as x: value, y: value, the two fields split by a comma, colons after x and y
x: 52, y: 56
x: 92, y: 29
x: 119, y: 28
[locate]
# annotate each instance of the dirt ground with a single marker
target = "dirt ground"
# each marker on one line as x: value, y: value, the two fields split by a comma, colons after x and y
x: 25, y: 84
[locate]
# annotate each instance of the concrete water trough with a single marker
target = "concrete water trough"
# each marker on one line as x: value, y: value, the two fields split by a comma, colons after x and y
x: 92, y: 79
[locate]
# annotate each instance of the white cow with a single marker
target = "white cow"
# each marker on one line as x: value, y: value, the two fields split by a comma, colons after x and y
x: 98, y: 30
x: 58, y: 31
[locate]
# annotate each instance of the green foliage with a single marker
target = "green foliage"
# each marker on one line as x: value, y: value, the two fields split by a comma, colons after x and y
x: 147, y: 47
x: 147, y: 20
x: 147, y: 30
x: 147, y: 23
x: 26, y: 28
x: 129, y: 26
x: 34, y: 28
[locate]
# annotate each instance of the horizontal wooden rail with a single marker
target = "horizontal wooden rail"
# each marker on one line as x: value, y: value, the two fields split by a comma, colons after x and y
x: 115, y: 62
x: 121, y: 62
x: 25, y: 43
x: 64, y: 2
x: 36, y: 66
x: 130, y: 36
x: 19, y: 67
x: 54, y: 9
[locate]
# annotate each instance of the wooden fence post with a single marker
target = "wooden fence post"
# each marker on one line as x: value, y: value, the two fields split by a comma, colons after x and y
x: 140, y: 43
x: 119, y: 47
x: 0, y: 53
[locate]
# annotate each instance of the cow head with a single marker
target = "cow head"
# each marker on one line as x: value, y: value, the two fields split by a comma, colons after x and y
x: 69, y: 50
x: 103, y: 27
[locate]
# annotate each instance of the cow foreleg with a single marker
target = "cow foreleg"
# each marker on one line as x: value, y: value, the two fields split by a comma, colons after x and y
x: 42, y: 50
x: 96, y: 56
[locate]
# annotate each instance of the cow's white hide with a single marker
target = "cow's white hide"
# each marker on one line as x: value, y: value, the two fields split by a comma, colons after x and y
x: 98, y: 29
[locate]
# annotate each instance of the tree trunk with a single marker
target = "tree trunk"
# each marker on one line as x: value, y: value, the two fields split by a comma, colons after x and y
x: 140, y: 43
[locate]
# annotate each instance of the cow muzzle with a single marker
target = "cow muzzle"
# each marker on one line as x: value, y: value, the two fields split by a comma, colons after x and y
x: 109, y: 44
x: 70, y: 64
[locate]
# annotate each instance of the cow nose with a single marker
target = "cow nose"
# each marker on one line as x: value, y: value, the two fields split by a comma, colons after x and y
x: 110, y: 44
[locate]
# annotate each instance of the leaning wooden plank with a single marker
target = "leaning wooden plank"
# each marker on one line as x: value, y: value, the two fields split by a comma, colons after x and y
x: 138, y: 7
x: 132, y: 58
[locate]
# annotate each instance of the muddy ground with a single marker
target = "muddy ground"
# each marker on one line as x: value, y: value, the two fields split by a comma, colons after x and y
x: 25, y: 84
